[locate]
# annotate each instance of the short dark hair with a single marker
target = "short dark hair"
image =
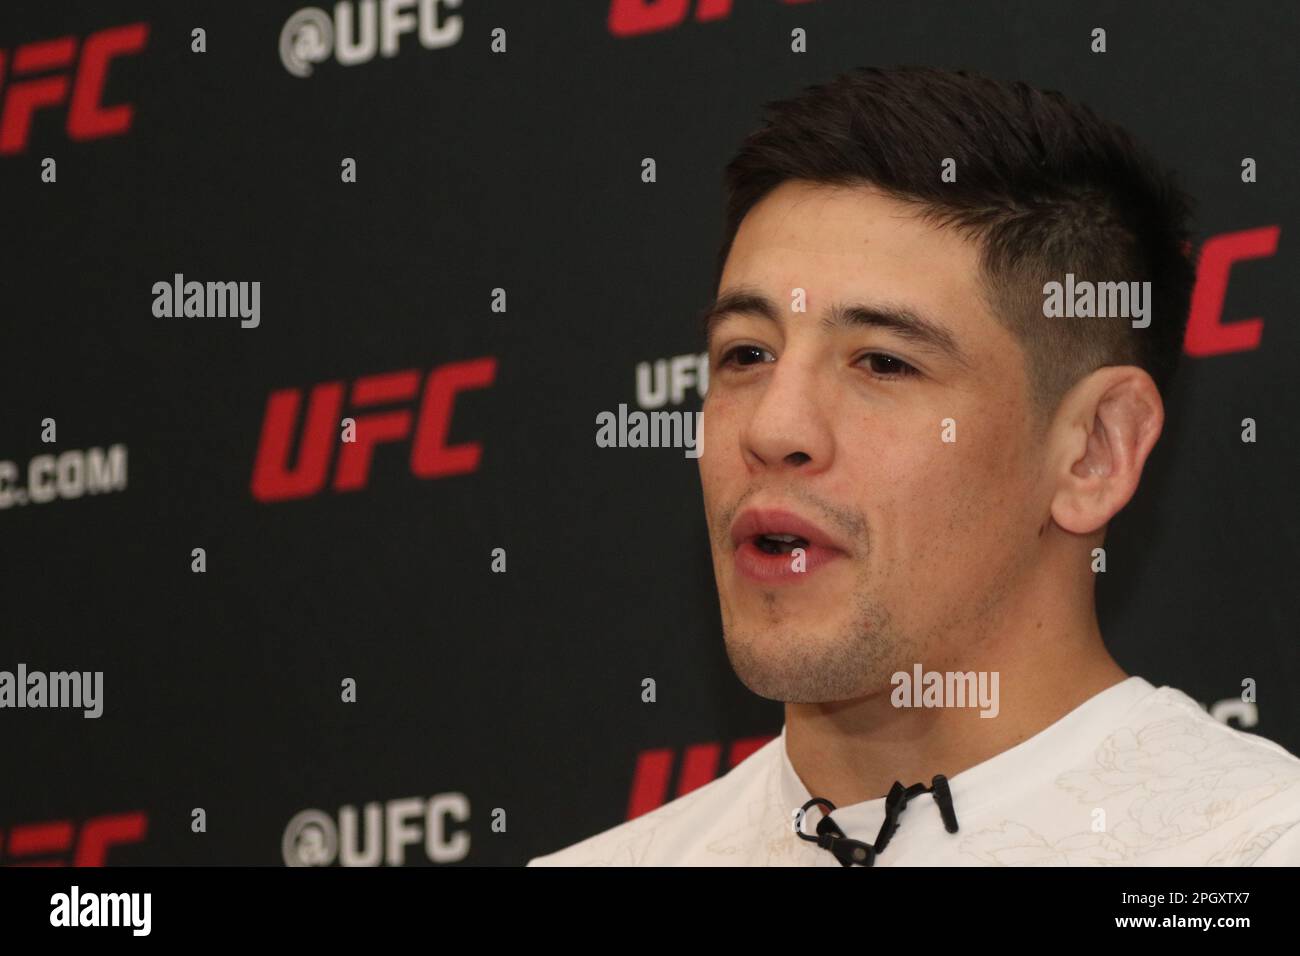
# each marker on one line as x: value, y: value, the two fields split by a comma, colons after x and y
x: 1043, y: 184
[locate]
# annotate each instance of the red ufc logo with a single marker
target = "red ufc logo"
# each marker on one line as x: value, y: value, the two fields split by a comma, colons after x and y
x: 1206, y: 333
x: 654, y: 769
x: 47, y: 844
x: 88, y: 118
x: 431, y: 457
x: 631, y: 17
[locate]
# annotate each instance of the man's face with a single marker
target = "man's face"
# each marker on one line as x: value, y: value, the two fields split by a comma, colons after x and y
x: 811, y: 428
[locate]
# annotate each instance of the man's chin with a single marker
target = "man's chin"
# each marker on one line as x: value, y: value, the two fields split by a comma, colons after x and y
x: 794, y: 599
x: 807, y: 665
x: 817, y: 613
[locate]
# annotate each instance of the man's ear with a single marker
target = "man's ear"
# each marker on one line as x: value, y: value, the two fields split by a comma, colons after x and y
x: 1104, y: 430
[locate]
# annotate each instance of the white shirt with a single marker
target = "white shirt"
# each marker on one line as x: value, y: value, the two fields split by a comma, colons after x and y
x: 1134, y: 776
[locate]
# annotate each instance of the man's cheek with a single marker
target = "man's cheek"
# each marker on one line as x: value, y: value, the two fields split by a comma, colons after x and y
x: 990, y: 472
x: 936, y: 491
x: 974, y: 498
x: 721, y: 418
x: 925, y: 463
x: 719, y: 439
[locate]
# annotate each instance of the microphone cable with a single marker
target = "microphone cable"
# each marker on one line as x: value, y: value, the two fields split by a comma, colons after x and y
x: 856, y: 853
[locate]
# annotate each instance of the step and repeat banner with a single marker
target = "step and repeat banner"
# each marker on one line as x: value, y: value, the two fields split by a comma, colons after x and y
x: 234, y: 632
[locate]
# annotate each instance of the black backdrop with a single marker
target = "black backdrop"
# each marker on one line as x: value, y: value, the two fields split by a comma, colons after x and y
x: 481, y: 170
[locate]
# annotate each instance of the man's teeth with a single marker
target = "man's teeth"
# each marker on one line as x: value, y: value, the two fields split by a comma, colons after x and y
x: 780, y: 543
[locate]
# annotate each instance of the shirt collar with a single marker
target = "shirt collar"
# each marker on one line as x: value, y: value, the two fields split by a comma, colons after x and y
x: 987, y: 781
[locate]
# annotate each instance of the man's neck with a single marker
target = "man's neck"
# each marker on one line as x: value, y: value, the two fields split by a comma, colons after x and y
x: 851, y: 751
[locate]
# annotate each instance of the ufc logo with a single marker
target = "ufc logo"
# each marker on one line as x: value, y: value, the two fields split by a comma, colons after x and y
x: 275, y: 480
x: 88, y: 118
x: 631, y: 17
x: 1206, y: 333
x: 700, y: 764
x: 47, y: 844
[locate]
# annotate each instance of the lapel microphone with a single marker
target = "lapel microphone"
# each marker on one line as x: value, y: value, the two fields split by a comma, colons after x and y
x: 855, y: 852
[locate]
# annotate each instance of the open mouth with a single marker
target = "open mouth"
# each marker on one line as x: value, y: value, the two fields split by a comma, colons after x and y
x: 775, y: 546
x: 779, y: 543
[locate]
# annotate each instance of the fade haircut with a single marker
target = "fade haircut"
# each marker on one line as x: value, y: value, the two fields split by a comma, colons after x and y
x: 1044, y: 185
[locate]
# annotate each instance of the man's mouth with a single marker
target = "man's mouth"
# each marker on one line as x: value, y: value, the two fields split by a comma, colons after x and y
x: 779, y: 543
x: 776, y: 546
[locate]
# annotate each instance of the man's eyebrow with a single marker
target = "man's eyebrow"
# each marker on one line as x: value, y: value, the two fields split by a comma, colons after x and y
x: 744, y: 300
x: 902, y: 321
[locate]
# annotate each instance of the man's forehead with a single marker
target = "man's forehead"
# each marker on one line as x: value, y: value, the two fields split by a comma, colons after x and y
x: 845, y: 247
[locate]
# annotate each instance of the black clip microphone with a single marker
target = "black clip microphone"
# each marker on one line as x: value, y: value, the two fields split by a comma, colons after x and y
x: 943, y: 797
x: 855, y: 852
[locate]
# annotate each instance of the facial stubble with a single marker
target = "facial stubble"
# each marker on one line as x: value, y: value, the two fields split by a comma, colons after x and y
x: 782, y: 658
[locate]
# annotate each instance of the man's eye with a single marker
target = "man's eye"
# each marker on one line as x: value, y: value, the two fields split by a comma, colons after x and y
x: 886, y: 366
x: 744, y: 355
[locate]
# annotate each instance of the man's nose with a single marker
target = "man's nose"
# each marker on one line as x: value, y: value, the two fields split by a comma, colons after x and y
x: 789, y: 425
